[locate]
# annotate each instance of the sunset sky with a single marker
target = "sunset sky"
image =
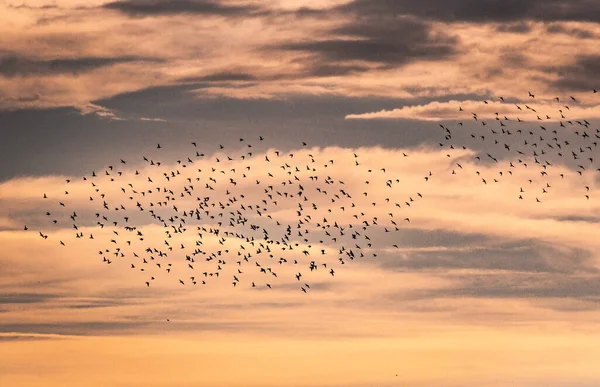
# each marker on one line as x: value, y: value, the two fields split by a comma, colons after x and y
x: 480, y: 288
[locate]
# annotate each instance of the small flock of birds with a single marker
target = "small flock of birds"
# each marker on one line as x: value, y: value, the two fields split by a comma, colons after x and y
x: 510, y: 142
x: 226, y: 220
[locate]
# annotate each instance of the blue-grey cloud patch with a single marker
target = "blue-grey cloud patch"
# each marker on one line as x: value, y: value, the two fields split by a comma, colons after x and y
x: 326, y: 70
x: 582, y: 75
x: 36, y: 147
x: 416, y: 238
x: 554, y: 291
x: 480, y: 11
x: 577, y: 218
x: 137, y: 325
x: 525, y: 256
x: 222, y: 76
x: 96, y: 304
x: 139, y: 8
x: 90, y: 328
x: 26, y: 298
x: 32, y: 7
x: 13, y: 65
x: 26, y: 337
x: 558, y: 28
x: 569, y: 305
x: 546, y: 285
x: 386, y: 40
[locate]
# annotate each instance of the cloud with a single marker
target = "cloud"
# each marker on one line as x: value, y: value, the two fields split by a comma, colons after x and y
x: 332, y: 50
x: 12, y: 66
x: 481, y: 11
x: 443, y: 111
x: 139, y: 8
x: 28, y: 6
x: 525, y: 256
x: 152, y: 119
x: 327, y: 70
x: 391, y: 41
x: 535, y: 286
x: 25, y: 298
x: 17, y: 336
x: 100, y: 111
x: 557, y: 28
x: 223, y: 76
x: 582, y: 75
x: 71, y: 328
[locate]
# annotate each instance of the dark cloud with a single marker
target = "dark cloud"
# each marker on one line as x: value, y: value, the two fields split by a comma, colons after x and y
x: 11, y: 66
x: 72, y: 328
x: 25, y: 298
x: 556, y: 28
x: 137, y: 325
x: 522, y: 269
x: 578, y: 218
x: 582, y: 75
x: 481, y: 11
x: 31, y: 7
x: 95, y: 304
x: 325, y: 70
x: 224, y: 76
x: 30, y: 98
x: 38, y: 147
x: 421, y: 238
x: 530, y: 286
x: 522, y: 256
x: 556, y: 291
x: 173, y: 7
x: 22, y: 99
x: 26, y: 337
x: 507, y: 60
x: 385, y: 40
x: 514, y: 59
x: 311, y: 69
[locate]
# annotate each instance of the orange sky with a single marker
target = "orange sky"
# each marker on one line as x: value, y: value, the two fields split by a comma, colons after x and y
x: 479, y: 288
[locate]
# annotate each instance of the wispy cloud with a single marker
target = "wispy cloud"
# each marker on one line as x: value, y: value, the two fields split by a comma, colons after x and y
x: 464, y: 110
x: 152, y: 119
x: 11, y: 66
x: 100, y: 111
x: 173, y: 7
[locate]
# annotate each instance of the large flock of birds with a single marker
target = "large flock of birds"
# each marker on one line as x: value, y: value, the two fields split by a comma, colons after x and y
x: 218, y: 220
x: 221, y: 221
x: 510, y: 142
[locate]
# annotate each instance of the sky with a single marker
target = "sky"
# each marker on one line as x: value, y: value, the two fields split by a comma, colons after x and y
x: 478, y: 287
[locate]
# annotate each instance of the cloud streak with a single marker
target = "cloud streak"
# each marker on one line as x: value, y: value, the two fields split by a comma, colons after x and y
x: 140, y: 8
x: 12, y: 66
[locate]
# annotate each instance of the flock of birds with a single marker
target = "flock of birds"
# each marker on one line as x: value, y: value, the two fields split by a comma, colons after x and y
x: 510, y: 142
x: 225, y: 222
x: 227, y: 216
